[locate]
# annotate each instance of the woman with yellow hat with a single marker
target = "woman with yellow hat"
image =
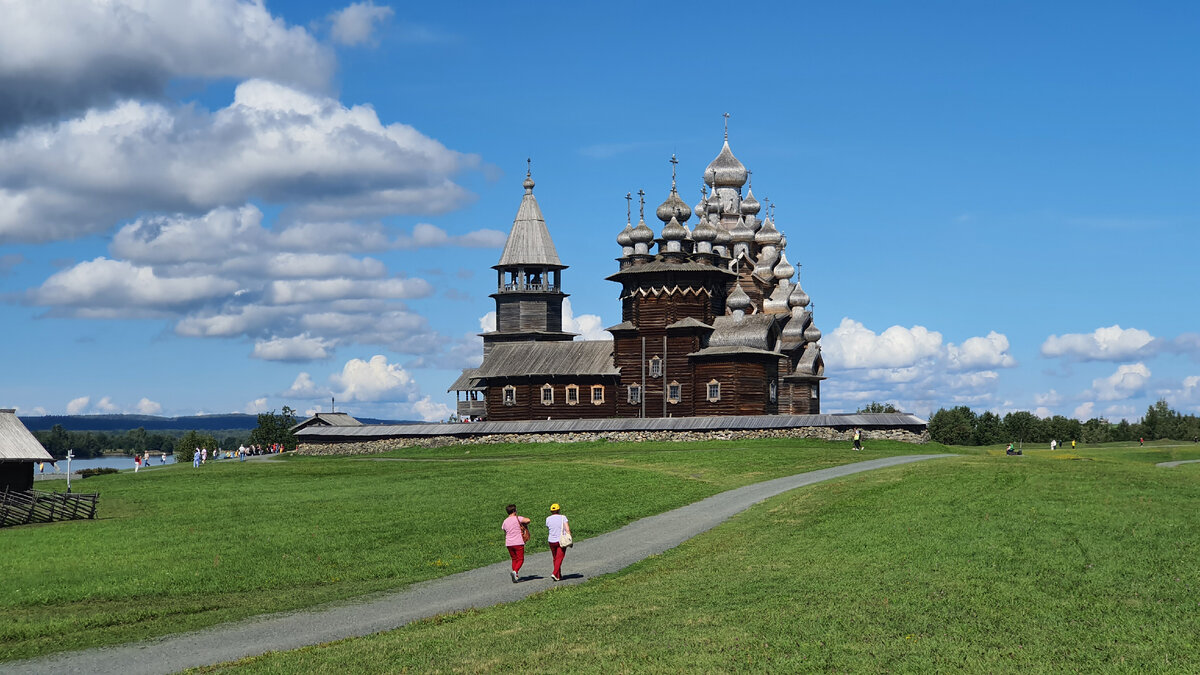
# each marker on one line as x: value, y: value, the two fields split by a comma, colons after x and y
x: 557, y: 523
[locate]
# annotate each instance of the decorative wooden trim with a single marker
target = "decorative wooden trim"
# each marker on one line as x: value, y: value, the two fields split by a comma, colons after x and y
x: 597, y: 389
x: 510, y: 395
x: 572, y: 394
x: 710, y: 391
x: 674, y: 391
x: 634, y: 394
x: 656, y: 364
x: 546, y: 388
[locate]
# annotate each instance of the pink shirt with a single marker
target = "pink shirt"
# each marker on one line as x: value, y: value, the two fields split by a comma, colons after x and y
x: 512, y: 530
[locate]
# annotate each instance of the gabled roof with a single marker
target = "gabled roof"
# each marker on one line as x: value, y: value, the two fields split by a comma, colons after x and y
x: 329, y: 419
x: 579, y: 357
x: 754, y: 330
x: 17, y: 443
x: 529, y: 241
x: 689, y: 322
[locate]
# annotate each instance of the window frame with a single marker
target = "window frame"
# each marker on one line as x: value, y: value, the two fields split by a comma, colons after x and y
x: 572, y: 394
x: 675, y: 388
x: 597, y: 389
x: 655, y: 366
x: 547, y: 388
x: 709, y: 391
x: 510, y: 395
x: 632, y: 390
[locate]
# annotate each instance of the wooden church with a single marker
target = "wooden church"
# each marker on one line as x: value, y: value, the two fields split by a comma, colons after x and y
x: 712, y: 322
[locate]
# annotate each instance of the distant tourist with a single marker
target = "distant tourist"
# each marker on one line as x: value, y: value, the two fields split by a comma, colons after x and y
x: 41, y: 467
x: 516, y: 533
x: 1141, y: 442
x: 137, y: 463
x: 858, y: 439
x: 556, y: 522
x: 1012, y: 450
x: 163, y: 459
x: 196, y: 458
x: 1072, y: 443
x: 203, y: 455
x: 1053, y: 444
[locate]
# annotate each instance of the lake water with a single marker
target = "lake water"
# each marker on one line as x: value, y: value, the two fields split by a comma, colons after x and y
x: 110, y: 462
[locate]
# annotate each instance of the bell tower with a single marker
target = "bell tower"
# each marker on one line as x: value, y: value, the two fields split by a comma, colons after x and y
x: 528, y: 280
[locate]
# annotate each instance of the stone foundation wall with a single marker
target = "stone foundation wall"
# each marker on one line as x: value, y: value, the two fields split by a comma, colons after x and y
x: 821, y: 433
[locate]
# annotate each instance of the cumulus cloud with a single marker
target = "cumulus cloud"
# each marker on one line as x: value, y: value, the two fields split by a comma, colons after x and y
x: 61, y: 57
x: 299, y: 348
x: 304, y: 387
x: 980, y: 352
x: 425, y: 235
x: 323, y: 159
x: 1051, y: 397
x: 1085, y: 411
x: 431, y: 411
x: 148, y: 407
x: 105, y: 405
x: 853, y: 345
x: 1128, y: 381
x: 354, y: 25
x: 77, y: 405
x: 373, y: 380
x: 104, y: 288
x: 258, y: 405
x: 1103, y: 344
x: 588, y: 326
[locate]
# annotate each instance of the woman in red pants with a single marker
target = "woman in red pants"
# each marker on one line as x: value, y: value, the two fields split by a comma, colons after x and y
x: 516, y: 533
x: 557, y: 524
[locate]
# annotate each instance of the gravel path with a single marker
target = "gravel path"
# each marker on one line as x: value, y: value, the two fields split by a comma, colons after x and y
x: 1182, y: 461
x: 481, y: 587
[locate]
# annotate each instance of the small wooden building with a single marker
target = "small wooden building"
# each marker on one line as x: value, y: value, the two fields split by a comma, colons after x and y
x: 329, y: 419
x: 712, y: 322
x: 19, y: 451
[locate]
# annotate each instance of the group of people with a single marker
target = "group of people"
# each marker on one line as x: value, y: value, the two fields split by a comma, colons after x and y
x: 144, y: 460
x: 516, y: 534
x: 202, y: 455
x: 1058, y: 445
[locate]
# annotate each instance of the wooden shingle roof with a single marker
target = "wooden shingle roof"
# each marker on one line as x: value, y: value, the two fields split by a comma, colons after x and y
x: 579, y: 357
x: 17, y: 444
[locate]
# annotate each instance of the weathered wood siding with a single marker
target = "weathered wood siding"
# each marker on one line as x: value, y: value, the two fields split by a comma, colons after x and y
x: 744, y: 386
x: 529, y: 406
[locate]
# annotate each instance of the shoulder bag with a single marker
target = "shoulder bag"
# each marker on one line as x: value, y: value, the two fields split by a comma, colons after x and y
x: 565, y: 539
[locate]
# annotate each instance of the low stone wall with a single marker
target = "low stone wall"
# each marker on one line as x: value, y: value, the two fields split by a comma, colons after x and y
x: 821, y: 433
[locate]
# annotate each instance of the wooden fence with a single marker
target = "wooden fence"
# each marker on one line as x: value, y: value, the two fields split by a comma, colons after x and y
x: 33, y: 506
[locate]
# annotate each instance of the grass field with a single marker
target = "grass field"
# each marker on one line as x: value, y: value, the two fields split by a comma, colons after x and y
x: 177, y: 548
x: 1051, y: 562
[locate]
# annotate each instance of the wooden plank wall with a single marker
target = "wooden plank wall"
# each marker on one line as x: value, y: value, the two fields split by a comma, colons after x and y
x: 529, y: 400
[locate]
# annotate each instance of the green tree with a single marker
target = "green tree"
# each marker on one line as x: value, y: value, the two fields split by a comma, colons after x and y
x: 1063, y: 429
x: 1022, y: 427
x: 189, y: 442
x: 57, y: 442
x: 953, y: 427
x: 1097, y: 430
x: 989, y: 429
x: 876, y: 407
x: 275, y: 428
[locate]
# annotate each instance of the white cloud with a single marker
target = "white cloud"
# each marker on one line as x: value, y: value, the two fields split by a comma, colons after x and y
x: 258, y: 405
x: 355, y: 24
x: 299, y: 348
x: 148, y: 407
x: 1085, y: 411
x: 980, y: 352
x: 487, y: 322
x: 430, y: 411
x: 1042, y: 412
x: 105, y: 405
x: 1129, y: 380
x: 77, y: 405
x: 304, y: 387
x: 425, y: 235
x: 104, y: 288
x: 274, y: 143
x: 67, y: 55
x: 1103, y: 344
x: 588, y: 326
x: 1051, y: 397
x: 374, y: 380
x: 852, y: 345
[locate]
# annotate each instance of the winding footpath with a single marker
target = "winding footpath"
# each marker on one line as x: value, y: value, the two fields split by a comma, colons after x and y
x: 476, y: 588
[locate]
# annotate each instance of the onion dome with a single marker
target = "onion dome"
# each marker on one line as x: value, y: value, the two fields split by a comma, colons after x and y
x: 714, y: 203
x: 812, y: 333
x: 673, y: 231
x: 701, y: 206
x: 742, y: 233
x: 783, y: 270
x: 768, y: 235
x: 724, y: 238
x: 673, y: 207
x: 725, y: 170
x: 528, y: 183
x: 704, y: 231
x: 750, y: 205
x: 738, y: 300
x: 625, y: 238
x: 798, y: 297
x: 642, y: 234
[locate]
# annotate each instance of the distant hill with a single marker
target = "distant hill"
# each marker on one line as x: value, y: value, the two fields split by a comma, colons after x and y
x: 231, y: 421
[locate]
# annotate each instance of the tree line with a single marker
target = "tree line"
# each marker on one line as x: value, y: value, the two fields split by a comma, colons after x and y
x: 962, y: 426
x: 272, y: 428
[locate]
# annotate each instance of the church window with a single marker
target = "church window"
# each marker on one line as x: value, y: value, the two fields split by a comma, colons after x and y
x: 597, y: 394
x: 635, y: 393
x: 547, y: 395
x: 714, y: 391
x: 673, y: 391
x: 655, y: 367
x: 572, y: 394
x: 510, y: 395
x: 812, y: 393
x: 773, y: 391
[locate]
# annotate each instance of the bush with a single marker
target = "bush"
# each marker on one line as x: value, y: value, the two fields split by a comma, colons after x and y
x: 88, y: 473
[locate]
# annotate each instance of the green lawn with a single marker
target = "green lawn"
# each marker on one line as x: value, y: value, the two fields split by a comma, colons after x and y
x: 177, y: 548
x: 1068, y: 561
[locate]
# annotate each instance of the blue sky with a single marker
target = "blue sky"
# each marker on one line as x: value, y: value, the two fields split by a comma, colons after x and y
x: 230, y: 206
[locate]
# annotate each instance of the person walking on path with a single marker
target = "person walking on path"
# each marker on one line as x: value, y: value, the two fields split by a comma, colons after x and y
x: 516, y: 533
x: 858, y: 439
x: 196, y: 459
x: 137, y: 463
x: 557, y: 524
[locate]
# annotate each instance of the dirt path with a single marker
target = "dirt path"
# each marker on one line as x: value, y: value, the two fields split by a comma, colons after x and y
x: 481, y: 587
